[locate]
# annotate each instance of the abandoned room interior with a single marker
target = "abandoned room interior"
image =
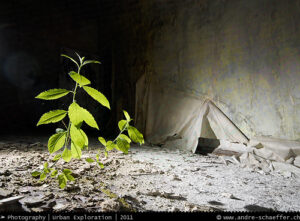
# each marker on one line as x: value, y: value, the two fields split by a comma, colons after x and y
x: 193, y: 106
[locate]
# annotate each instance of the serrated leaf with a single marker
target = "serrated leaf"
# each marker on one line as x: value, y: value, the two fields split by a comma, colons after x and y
x: 77, y: 136
x: 43, y: 176
x: 52, y: 117
x: 56, y: 142
x: 98, y: 96
x: 54, y: 173
x: 56, y: 157
x: 70, y: 177
x: 35, y: 173
x: 123, y: 136
x: 122, y: 124
x: 123, y: 145
x: 126, y: 115
x: 62, y: 180
x: 135, y: 135
x: 102, y: 140
x: 52, y: 94
x: 63, y: 55
x: 110, y: 145
x: 81, y: 80
x: 91, y: 61
x: 67, y: 155
x: 78, y: 114
x: 76, y: 151
x: 89, y: 160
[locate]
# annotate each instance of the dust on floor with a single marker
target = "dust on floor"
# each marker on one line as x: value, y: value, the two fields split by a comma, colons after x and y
x: 147, y: 179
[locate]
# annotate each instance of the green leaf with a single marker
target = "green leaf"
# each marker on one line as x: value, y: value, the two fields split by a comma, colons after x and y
x: 54, y: 173
x: 81, y: 80
x: 122, y: 124
x: 67, y: 171
x: 135, y: 135
x: 52, y: 117
x: 70, y: 59
x: 110, y: 145
x: 76, y: 151
x: 77, y: 136
x: 35, y: 173
x: 97, y: 157
x: 52, y: 94
x: 67, y: 155
x: 105, y: 154
x: 102, y: 140
x: 62, y: 180
x: 98, y: 96
x: 57, y: 157
x: 45, y: 165
x: 43, y: 176
x: 123, y: 136
x: 89, y: 160
x: 123, y: 145
x: 56, y: 142
x: 91, y: 61
x: 80, y: 59
x: 101, y: 165
x: 70, y: 177
x: 126, y: 115
x: 78, y: 114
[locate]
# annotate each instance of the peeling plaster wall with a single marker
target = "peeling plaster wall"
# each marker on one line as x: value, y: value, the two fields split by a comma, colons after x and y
x: 244, y: 55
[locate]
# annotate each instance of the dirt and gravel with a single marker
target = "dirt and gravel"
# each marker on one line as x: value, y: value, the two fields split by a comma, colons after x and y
x: 149, y: 178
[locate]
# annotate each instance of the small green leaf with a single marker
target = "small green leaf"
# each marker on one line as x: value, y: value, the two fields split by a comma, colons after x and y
x: 52, y: 117
x: 98, y: 96
x: 122, y: 124
x: 52, y: 94
x: 56, y: 142
x: 91, y: 61
x: 97, y: 157
x: 70, y: 177
x: 63, y: 55
x: 123, y: 136
x: 81, y: 80
x: 67, y: 171
x: 126, y: 115
x: 43, y: 176
x: 123, y: 145
x: 62, y: 180
x: 135, y: 135
x: 89, y: 160
x: 54, y: 173
x: 105, y: 154
x: 67, y: 155
x: 78, y: 114
x: 45, y: 165
x: 76, y: 151
x: 35, y: 173
x: 102, y: 140
x: 57, y: 157
x: 110, y: 145
x: 101, y: 165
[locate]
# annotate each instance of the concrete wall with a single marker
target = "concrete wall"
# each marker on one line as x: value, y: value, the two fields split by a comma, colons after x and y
x: 244, y: 55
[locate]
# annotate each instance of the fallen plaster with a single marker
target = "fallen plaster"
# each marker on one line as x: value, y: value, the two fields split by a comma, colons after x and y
x: 148, y: 178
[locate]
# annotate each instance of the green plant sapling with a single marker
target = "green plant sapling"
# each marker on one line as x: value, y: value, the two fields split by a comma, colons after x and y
x: 69, y: 143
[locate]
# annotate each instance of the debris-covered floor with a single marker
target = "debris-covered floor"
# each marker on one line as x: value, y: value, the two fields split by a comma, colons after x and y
x: 148, y: 179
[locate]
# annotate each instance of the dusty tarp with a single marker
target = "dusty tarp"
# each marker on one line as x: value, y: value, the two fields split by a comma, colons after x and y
x: 172, y: 118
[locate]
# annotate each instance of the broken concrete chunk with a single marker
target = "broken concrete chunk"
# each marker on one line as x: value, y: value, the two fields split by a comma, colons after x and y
x: 5, y: 193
